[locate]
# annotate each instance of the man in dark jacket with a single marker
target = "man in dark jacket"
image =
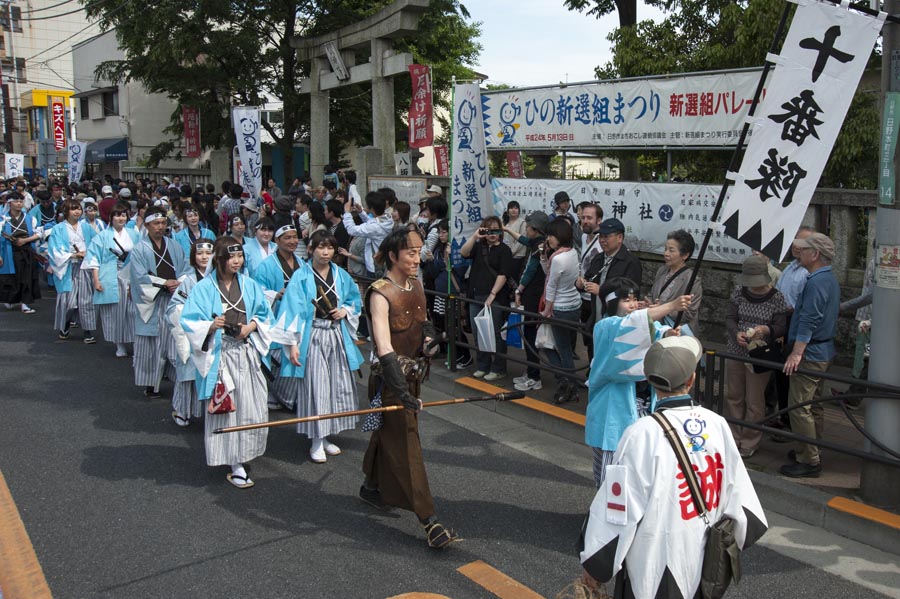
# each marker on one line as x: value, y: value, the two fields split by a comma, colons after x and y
x: 614, y: 261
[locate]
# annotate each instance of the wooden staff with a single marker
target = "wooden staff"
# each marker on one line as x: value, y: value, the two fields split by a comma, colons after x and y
x: 431, y: 404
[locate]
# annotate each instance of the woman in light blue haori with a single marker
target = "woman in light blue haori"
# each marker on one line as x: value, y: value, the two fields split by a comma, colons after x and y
x: 320, y: 308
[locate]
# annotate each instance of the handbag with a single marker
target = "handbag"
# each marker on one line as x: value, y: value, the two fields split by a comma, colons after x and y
x: 771, y: 352
x: 721, y: 556
x: 484, y: 331
x: 544, y: 337
x: 513, y: 331
x: 221, y: 401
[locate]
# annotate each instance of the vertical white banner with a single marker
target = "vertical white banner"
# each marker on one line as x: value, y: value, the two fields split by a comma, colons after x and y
x: 77, y: 153
x: 14, y: 165
x: 816, y: 75
x: 470, y: 191
x: 245, y: 120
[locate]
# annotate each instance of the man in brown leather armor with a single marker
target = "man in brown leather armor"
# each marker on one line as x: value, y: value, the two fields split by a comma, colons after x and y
x: 395, y: 471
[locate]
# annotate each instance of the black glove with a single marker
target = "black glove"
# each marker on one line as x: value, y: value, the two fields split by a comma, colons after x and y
x: 394, y: 378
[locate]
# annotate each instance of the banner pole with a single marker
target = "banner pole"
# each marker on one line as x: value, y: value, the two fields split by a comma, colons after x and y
x: 735, y: 164
x: 451, y: 345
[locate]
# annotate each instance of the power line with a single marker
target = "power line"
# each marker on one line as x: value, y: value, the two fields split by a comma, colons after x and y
x: 64, y: 14
x: 47, y: 7
x: 89, y: 25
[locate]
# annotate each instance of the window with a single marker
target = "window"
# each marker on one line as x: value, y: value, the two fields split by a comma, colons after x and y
x: 273, y: 117
x: 84, y: 108
x: 111, y: 103
x: 14, y: 69
x: 13, y: 16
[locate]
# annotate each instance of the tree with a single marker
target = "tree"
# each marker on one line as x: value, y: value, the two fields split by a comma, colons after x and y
x: 217, y: 53
x: 727, y: 34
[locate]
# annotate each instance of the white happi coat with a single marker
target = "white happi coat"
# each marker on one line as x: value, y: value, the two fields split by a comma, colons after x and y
x: 643, y: 515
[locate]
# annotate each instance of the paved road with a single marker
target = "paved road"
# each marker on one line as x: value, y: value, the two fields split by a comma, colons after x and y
x: 119, y: 503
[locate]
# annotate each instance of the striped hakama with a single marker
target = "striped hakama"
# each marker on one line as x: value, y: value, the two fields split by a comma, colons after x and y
x: 118, y: 319
x: 185, y: 401
x: 147, y: 350
x: 284, y: 390
x: 327, y: 387
x: 80, y: 298
x: 249, y: 395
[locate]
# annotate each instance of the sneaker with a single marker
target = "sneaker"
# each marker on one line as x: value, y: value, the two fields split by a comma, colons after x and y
x: 520, y: 379
x: 90, y: 340
x: 493, y: 376
x: 464, y: 362
x: 747, y: 453
x: 27, y: 309
x: 529, y: 384
x: 479, y: 374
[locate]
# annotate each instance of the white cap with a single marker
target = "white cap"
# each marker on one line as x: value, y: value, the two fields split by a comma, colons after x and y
x: 107, y: 190
x: 435, y: 189
x: 124, y: 193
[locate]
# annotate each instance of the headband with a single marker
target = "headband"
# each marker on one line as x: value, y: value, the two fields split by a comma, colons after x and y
x: 281, y: 231
x: 236, y: 219
x: 191, y: 209
x: 235, y: 249
x: 153, y: 217
x: 204, y: 245
x: 610, y: 297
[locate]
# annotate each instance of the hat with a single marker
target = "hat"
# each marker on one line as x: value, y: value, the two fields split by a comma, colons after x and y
x: 250, y: 205
x: 538, y: 221
x: 166, y: 180
x: 817, y: 241
x: 611, y: 225
x: 754, y: 272
x: 88, y: 200
x: 283, y: 204
x: 106, y: 190
x: 670, y: 362
x: 435, y: 189
x: 125, y: 193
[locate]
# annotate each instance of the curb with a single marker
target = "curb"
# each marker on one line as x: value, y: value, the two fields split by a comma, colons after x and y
x: 851, y: 519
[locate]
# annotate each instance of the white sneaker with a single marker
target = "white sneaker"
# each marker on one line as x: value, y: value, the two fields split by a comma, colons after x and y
x: 317, y: 451
x: 520, y: 379
x: 493, y: 376
x: 27, y: 309
x: 529, y: 385
x: 331, y: 448
x: 479, y: 374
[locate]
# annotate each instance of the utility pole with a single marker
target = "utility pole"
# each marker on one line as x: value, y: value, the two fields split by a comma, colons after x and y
x: 880, y: 484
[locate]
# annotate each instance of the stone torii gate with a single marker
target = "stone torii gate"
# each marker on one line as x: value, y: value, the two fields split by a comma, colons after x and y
x: 333, y: 65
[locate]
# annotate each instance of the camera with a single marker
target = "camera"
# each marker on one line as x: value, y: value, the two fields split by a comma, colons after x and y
x: 485, y: 231
x: 232, y: 330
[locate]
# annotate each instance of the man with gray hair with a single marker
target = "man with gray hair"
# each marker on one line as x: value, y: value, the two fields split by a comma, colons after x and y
x: 811, y: 335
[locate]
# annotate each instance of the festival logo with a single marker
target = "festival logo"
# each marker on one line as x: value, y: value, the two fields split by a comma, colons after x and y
x: 694, y: 428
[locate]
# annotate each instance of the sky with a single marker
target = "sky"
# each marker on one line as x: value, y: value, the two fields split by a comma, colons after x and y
x: 540, y: 42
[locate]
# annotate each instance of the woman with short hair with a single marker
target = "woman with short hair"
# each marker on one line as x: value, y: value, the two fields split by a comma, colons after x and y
x: 323, y: 302
x: 673, y: 277
x: 69, y: 241
x: 108, y: 255
x: 491, y: 265
x: 226, y: 319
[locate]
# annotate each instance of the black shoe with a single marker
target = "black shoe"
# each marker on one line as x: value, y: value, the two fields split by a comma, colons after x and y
x: 149, y: 393
x: 798, y: 470
x: 373, y: 498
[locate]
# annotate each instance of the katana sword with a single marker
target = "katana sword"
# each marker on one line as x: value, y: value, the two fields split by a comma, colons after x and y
x: 431, y: 404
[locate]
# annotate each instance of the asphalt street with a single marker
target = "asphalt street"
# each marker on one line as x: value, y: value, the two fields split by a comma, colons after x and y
x: 119, y: 503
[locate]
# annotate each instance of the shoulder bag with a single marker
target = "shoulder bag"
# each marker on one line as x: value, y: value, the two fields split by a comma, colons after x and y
x: 722, y: 556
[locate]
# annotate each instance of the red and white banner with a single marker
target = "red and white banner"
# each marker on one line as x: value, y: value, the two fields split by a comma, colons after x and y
x: 442, y: 160
x: 190, y: 115
x: 421, y: 127
x: 58, y: 109
x: 514, y: 165
x: 816, y: 75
